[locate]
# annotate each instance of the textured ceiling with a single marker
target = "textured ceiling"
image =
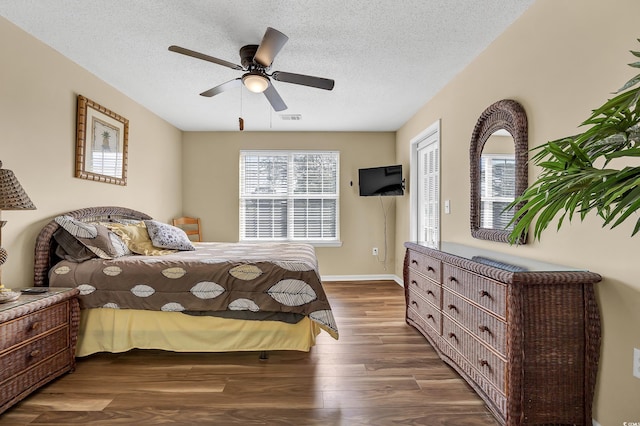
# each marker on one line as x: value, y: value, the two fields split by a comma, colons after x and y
x: 388, y: 58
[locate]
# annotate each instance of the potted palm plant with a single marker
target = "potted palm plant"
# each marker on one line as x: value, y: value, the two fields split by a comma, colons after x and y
x: 577, y: 176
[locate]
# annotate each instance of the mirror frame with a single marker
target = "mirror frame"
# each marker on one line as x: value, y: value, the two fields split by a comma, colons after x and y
x: 509, y: 115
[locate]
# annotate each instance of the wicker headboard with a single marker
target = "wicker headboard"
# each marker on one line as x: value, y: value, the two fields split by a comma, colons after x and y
x: 45, y: 256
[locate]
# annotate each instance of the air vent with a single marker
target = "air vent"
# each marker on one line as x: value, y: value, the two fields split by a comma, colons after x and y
x: 291, y: 117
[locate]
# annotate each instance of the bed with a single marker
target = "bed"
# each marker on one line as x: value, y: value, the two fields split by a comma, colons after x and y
x: 211, y: 297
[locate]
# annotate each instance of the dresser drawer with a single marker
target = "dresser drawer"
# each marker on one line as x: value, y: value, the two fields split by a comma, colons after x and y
x: 484, y: 326
x: 23, y: 357
x: 22, y: 384
x: 497, y: 401
x: 427, y: 266
x: 487, y: 293
x: 428, y: 289
x: 23, y: 328
x: 477, y: 355
x: 430, y: 314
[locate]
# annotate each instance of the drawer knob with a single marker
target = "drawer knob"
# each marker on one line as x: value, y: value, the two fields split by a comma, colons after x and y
x: 413, y: 302
x: 485, y: 293
x: 35, y: 353
x: 35, y: 326
x: 430, y: 292
x: 485, y: 329
x: 453, y: 308
x: 430, y: 269
x: 453, y: 279
x: 414, y: 262
x: 429, y: 316
x: 414, y: 282
x: 453, y: 336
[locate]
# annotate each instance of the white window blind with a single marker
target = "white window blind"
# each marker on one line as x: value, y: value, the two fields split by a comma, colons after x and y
x: 429, y: 193
x: 497, y: 189
x: 106, y: 163
x: 289, y: 195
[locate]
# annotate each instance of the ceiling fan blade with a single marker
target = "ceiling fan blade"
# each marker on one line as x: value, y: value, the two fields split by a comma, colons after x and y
x: 271, y: 44
x: 231, y: 84
x: 304, y: 80
x: 274, y: 98
x: 204, y: 57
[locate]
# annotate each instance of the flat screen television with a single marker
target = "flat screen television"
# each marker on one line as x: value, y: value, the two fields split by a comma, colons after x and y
x: 384, y: 181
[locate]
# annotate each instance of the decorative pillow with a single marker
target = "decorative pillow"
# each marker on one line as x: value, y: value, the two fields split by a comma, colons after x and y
x: 168, y: 236
x: 70, y: 248
x: 97, y: 238
x: 137, y: 239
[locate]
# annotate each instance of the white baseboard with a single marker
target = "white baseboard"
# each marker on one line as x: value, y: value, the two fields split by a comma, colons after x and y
x: 594, y: 422
x: 387, y: 277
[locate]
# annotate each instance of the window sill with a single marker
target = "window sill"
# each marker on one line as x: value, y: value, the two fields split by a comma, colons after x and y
x: 325, y: 243
x: 313, y: 243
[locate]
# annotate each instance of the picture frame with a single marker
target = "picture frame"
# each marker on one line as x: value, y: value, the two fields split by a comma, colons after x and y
x: 101, y: 143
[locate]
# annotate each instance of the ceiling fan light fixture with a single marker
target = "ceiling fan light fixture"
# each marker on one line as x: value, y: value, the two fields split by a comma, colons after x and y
x: 255, y: 82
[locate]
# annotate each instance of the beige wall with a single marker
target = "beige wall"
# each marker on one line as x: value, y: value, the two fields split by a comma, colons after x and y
x: 559, y: 60
x: 210, y: 164
x: 38, y: 92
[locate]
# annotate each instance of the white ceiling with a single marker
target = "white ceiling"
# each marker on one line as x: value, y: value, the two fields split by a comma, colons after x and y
x: 388, y: 58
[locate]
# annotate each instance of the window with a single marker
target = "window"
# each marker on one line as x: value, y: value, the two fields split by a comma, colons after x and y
x: 289, y: 196
x: 497, y: 189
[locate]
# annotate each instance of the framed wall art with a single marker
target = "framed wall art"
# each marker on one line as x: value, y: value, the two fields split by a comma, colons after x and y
x: 101, y: 145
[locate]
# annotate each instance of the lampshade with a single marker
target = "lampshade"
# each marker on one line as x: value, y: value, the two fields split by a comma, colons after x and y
x: 255, y: 82
x: 12, y: 196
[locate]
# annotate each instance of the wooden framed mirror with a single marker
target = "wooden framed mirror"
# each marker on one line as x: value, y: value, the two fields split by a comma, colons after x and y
x: 498, y: 168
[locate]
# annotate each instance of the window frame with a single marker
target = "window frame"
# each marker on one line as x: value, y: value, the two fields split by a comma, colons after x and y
x: 290, y: 197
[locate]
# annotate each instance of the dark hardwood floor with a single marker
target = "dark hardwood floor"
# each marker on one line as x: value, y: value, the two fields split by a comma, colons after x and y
x: 380, y: 372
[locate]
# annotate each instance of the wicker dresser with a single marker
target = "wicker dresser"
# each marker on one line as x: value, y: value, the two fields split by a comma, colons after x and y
x: 525, y: 335
x: 38, y: 334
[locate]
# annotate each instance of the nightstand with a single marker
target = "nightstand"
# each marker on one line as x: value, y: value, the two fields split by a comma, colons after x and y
x: 38, y: 334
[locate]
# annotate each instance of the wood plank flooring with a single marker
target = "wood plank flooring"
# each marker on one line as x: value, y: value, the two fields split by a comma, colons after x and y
x: 380, y: 372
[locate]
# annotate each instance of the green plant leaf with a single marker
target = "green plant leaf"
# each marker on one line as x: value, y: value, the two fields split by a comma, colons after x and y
x: 569, y: 184
x: 630, y: 83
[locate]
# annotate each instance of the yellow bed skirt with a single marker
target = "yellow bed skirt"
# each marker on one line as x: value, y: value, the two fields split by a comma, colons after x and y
x: 119, y: 330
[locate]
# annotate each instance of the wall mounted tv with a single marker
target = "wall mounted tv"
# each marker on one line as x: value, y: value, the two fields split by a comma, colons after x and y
x: 381, y: 181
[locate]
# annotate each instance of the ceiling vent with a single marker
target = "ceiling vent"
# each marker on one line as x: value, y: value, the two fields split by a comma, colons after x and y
x: 291, y: 117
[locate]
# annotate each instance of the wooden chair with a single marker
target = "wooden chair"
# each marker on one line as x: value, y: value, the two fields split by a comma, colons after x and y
x: 191, y: 226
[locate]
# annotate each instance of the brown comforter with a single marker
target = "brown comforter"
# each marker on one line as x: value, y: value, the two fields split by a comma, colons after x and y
x: 266, y: 278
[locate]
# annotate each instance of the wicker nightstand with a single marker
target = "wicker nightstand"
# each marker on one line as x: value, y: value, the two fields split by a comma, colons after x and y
x: 38, y: 334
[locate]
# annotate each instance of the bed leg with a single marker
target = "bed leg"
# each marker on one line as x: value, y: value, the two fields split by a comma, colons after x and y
x: 264, y: 355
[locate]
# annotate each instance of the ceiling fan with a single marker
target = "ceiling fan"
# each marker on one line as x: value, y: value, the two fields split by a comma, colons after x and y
x: 256, y: 61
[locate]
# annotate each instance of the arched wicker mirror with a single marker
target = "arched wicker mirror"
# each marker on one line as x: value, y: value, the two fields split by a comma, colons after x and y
x: 498, y: 174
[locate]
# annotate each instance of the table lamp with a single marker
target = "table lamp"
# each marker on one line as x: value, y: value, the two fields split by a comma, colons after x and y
x: 12, y: 197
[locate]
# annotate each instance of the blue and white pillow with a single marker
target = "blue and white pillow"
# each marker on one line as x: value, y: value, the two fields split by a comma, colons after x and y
x: 167, y: 236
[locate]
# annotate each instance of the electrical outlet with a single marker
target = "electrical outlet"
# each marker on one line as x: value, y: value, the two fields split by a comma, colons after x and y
x: 374, y: 251
x: 447, y: 207
x: 636, y: 363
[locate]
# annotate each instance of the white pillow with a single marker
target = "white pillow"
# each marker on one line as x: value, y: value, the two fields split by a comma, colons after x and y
x: 167, y: 236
